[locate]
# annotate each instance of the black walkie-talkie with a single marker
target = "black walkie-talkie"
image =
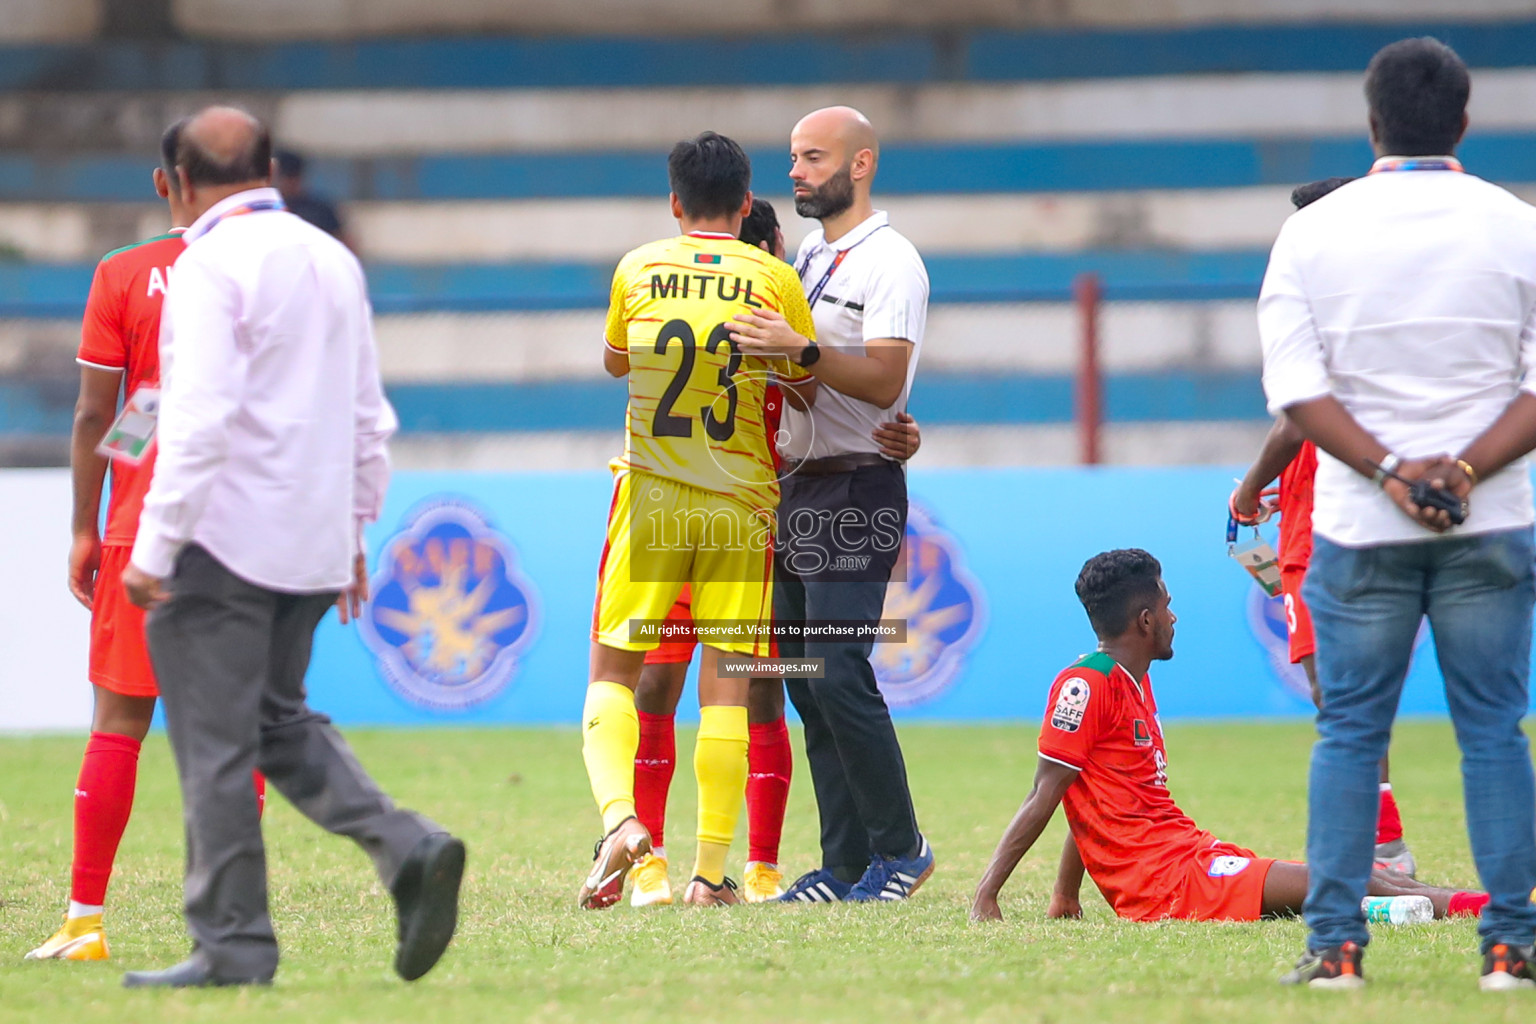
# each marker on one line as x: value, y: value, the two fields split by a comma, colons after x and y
x: 1426, y: 495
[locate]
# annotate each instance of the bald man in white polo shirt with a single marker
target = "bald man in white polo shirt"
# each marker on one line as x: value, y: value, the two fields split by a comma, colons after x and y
x: 843, y: 510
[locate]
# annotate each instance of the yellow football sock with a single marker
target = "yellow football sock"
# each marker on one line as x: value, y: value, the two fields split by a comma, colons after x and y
x: 720, y: 764
x: 610, y: 735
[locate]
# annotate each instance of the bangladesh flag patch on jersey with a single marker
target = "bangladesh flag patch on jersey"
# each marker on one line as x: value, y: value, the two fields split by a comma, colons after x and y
x: 706, y: 257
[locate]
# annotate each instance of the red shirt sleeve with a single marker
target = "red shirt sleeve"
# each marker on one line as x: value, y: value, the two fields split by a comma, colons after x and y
x: 1074, y: 714
x: 102, y: 341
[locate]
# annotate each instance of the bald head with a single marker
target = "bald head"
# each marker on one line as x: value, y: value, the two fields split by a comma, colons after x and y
x: 833, y: 153
x: 224, y: 146
x: 843, y: 128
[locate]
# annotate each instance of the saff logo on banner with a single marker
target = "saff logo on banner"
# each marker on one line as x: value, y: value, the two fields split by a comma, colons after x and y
x: 450, y: 613
x: 944, y: 610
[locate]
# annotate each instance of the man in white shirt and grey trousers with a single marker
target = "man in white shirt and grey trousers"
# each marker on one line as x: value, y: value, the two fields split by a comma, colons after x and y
x: 1398, y: 318
x: 271, y: 458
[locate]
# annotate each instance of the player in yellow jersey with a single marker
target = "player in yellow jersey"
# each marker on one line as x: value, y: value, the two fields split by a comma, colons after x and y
x: 694, y: 500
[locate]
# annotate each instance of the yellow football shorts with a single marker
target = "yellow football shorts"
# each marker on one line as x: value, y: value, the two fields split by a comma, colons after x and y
x: 663, y: 534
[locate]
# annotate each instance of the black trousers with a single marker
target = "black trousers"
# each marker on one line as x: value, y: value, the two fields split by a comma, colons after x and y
x: 230, y: 658
x: 828, y: 527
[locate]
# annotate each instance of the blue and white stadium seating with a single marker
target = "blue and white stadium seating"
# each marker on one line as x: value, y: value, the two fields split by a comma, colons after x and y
x: 492, y: 181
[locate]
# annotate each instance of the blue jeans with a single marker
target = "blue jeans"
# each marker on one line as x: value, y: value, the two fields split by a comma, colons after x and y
x: 1366, y: 605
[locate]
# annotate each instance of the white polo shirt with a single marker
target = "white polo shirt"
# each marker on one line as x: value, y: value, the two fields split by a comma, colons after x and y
x: 879, y: 289
x: 1408, y: 296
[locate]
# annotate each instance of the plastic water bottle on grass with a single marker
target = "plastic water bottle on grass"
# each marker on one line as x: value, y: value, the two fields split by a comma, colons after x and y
x: 1397, y: 909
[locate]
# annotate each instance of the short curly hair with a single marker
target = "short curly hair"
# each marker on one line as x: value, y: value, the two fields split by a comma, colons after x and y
x: 1115, y: 586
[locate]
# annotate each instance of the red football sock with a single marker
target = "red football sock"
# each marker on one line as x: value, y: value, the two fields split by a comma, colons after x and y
x: 770, y: 762
x: 103, y: 801
x: 655, y: 760
x: 1389, y: 824
x: 261, y: 792
x: 1467, y: 904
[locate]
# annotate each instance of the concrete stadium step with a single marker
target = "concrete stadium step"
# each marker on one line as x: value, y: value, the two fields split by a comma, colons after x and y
x: 909, y: 168
x: 43, y: 291
x: 391, y: 123
x: 42, y: 407
x: 1036, y: 338
x: 1270, y: 35
x: 604, y: 229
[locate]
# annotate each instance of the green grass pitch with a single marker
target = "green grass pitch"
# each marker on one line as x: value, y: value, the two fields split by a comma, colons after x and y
x: 525, y: 953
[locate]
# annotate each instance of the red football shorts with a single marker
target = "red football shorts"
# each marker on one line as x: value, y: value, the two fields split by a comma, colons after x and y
x: 119, y: 652
x: 678, y: 649
x: 1222, y: 883
x: 1298, y: 621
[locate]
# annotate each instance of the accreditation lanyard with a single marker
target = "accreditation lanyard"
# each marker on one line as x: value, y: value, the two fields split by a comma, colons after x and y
x: 821, y: 286
x: 257, y: 206
x: 1416, y: 163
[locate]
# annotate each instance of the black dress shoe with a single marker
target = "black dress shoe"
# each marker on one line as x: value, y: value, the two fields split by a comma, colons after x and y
x: 190, y: 973
x: 426, y: 892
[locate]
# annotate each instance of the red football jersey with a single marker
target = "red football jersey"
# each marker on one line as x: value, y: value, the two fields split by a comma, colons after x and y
x: 122, y: 332
x: 1134, y: 840
x: 1296, y: 482
x: 773, y: 414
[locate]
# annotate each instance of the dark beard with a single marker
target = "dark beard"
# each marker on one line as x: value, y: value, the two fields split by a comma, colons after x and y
x: 831, y: 199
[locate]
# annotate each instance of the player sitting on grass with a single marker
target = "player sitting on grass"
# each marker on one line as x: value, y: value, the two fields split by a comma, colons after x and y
x: 1102, y: 754
x: 694, y: 500
x: 770, y: 761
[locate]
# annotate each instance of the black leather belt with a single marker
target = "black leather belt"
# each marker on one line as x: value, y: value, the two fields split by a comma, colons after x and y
x: 833, y: 464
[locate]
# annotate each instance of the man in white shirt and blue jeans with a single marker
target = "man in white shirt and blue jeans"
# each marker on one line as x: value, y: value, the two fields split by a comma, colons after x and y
x: 1398, y: 319
x: 272, y: 456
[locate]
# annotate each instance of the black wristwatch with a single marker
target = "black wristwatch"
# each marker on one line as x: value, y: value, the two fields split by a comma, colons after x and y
x: 809, y: 354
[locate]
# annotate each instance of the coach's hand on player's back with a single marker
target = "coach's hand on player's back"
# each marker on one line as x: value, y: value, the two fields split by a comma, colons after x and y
x: 84, y: 564
x: 144, y: 590
x: 1442, y: 473
x: 767, y: 333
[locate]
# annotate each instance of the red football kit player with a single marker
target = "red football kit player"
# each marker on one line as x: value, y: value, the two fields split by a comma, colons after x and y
x: 1296, y: 548
x: 1147, y: 857
x: 119, y: 353
x: 1294, y: 459
x: 1102, y: 755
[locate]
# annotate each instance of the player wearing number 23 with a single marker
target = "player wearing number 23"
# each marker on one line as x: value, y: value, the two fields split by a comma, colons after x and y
x: 694, y: 497
x: 697, y: 449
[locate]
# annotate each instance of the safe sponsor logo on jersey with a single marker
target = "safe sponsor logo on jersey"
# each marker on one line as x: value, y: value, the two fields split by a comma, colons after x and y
x: 945, y: 612
x: 451, y: 614
x: 1071, y: 705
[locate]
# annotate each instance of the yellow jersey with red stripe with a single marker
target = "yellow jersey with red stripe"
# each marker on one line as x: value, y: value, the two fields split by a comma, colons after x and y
x: 696, y: 404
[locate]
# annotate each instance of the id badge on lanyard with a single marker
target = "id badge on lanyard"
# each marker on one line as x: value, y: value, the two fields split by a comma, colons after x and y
x: 1257, y: 557
x: 128, y: 439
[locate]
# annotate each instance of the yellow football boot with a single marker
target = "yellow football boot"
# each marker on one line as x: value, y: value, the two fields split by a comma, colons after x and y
x: 762, y: 882
x: 651, y: 885
x: 81, y: 938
